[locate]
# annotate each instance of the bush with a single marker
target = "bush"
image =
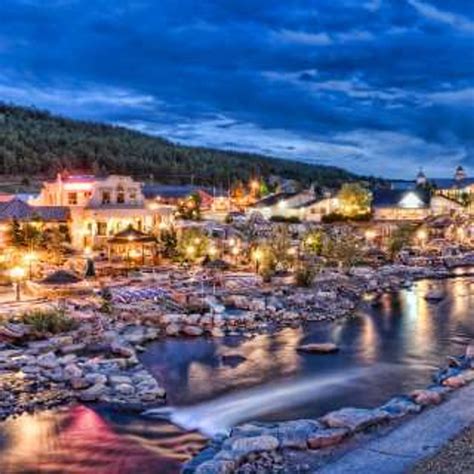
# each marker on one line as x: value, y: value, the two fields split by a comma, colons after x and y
x: 49, y: 321
x: 288, y: 220
x: 337, y: 217
x: 304, y: 276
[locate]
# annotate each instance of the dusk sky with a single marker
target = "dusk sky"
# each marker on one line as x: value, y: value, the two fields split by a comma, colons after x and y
x: 375, y: 86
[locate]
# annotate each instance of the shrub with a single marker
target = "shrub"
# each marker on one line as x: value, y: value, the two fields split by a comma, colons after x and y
x: 49, y: 321
x: 288, y: 220
x: 304, y: 276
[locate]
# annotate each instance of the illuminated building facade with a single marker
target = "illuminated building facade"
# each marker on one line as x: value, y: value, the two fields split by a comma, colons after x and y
x: 102, y: 207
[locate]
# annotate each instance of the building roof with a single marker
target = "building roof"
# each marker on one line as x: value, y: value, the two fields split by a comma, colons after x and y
x: 273, y: 199
x: 20, y: 210
x: 408, y: 199
x: 450, y: 183
x: 152, y: 191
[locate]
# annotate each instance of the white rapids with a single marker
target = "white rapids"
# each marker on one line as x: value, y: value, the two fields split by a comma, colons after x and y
x: 218, y: 416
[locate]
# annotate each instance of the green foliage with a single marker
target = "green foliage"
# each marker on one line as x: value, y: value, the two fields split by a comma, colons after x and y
x: 193, y: 243
x: 52, y: 321
x: 106, y: 303
x: 400, y: 238
x: 304, y: 276
x: 169, y: 242
x: 190, y: 208
x: 35, y: 142
x: 342, y: 248
x: 354, y: 199
x: 313, y: 242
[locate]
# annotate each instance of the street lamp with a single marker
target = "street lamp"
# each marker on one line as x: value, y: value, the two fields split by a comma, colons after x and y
x: 17, y: 274
x: 257, y: 256
x: 28, y: 259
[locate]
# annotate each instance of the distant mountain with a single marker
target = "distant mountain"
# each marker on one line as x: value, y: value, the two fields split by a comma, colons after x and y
x: 35, y: 142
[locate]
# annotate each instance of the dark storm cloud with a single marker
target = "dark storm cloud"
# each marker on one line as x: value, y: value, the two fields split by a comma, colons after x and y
x: 377, y: 86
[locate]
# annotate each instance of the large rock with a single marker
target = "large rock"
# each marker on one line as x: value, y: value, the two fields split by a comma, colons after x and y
x: 398, y: 407
x: 72, y: 348
x: 470, y: 351
x: 124, y: 389
x: 426, y: 397
x: 121, y: 349
x: 254, y: 444
x: 355, y: 419
x: 216, y: 467
x: 172, y: 329
x: 325, y: 438
x: 72, y: 371
x: 294, y: 434
x: 48, y: 361
x: 456, y: 381
x: 93, y: 393
x: 192, y: 331
x: 318, y: 348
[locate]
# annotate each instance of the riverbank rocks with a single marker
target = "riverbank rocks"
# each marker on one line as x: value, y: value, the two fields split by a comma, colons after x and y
x: 426, y: 397
x: 355, y: 419
x: 216, y: 467
x: 254, y: 444
x: 192, y: 331
x: 401, y: 406
x: 326, y: 437
x: 318, y: 348
x: 456, y: 381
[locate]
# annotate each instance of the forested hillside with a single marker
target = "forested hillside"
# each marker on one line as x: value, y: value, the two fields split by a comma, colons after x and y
x: 34, y: 142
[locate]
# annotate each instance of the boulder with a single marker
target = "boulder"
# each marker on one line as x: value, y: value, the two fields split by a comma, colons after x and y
x: 192, y: 331
x: 254, y: 444
x: 71, y: 348
x: 398, y: 407
x: 72, y: 371
x: 426, y: 397
x: 470, y: 351
x: 467, y: 375
x: 294, y: 434
x: 93, y: 393
x: 96, y: 378
x: 121, y: 349
x: 318, y: 348
x: 355, y: 419
x: 456, y: 381
x: 325, y: 438
x: 124, y: 389
x: 79, y: 383
x: 172, y: 329
x: 216, y: 467
x: 48, y: 361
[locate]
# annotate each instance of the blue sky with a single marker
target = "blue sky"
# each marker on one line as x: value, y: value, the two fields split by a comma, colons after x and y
x: 376, y: 86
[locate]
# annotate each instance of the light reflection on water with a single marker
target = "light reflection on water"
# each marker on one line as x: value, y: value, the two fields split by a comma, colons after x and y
x: 389, y: 349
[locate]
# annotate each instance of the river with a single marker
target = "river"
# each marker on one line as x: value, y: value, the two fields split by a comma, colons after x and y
x: 213, y: 384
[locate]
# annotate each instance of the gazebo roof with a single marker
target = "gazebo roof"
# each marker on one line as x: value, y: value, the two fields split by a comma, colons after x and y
x: 130, y: 236
x: 61, y: 277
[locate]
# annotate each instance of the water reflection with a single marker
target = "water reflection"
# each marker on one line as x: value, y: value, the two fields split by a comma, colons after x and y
x: 82, y: 441
x: 387, y: 349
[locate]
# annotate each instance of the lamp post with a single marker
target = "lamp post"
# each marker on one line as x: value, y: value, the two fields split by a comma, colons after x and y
x: 17, y: 274
x: 29, y: 258
x: 257, y: 257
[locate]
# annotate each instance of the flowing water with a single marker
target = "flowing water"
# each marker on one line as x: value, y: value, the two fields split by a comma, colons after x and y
x: 213, y: 384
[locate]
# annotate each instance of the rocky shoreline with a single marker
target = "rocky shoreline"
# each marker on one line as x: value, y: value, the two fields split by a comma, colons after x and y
x: 98, y: 360
x: 260, y: 447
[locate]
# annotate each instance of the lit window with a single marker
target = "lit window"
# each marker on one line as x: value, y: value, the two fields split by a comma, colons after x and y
x: 105, y: 197
x: 72, y: 199
x: 101, y: 228
x: 120, y: 195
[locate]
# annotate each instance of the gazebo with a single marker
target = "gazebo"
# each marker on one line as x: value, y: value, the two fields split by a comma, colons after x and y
x: 132, y: 244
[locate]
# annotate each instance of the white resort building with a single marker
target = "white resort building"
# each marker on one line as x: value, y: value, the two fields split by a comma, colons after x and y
x: 102, y: 207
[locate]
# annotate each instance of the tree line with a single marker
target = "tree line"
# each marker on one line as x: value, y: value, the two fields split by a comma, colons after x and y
x: 35, y: 142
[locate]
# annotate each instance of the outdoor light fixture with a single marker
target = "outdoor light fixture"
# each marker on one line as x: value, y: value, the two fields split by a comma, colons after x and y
x: 17, y: 274
x: 28, y: 259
